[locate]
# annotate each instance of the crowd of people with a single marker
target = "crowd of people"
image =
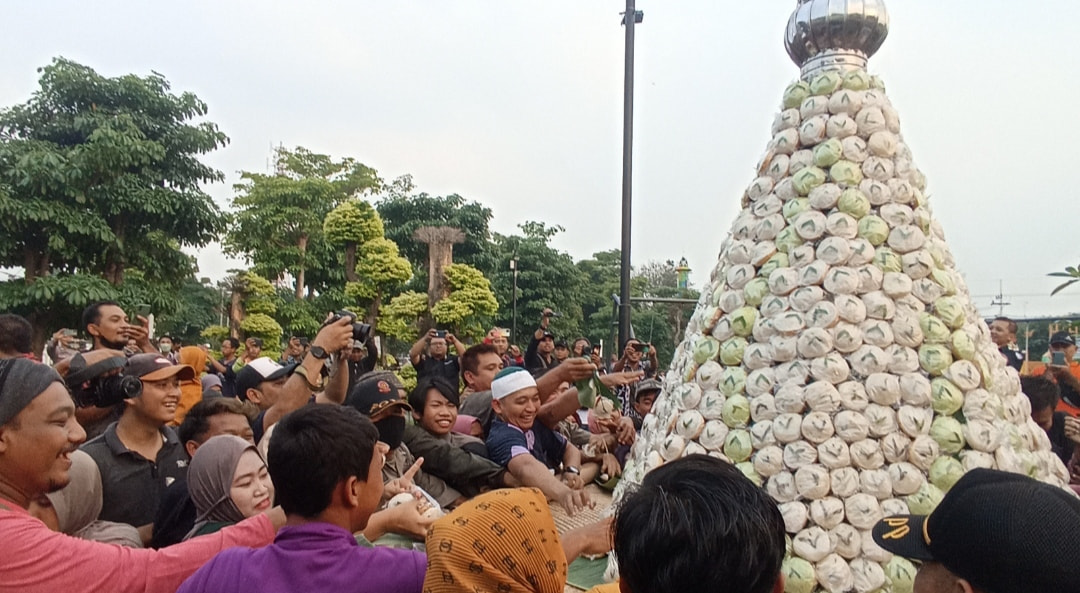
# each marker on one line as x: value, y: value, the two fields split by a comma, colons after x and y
x: 131, y: 464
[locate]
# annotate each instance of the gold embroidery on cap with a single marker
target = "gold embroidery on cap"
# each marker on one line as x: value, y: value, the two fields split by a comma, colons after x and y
x: 925, y: 533
x: 900, y: 525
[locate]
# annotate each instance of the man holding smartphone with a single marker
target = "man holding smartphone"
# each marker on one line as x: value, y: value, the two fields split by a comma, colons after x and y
x: 1064, y: 371
x: 436, y: 361
x: 637, y: 357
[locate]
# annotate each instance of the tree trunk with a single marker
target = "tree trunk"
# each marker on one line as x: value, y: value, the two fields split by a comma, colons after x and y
x: 301, y: 243
x: 236, y: 312
x: 350, y: 262
x: 114, y: 266
x: 373, y: 312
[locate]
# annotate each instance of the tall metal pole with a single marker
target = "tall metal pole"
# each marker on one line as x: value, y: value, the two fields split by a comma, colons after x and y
x: 513, y: 328
x: 630, y: 18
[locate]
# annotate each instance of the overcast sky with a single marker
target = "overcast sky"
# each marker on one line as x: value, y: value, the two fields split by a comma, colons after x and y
x: 518, y: 105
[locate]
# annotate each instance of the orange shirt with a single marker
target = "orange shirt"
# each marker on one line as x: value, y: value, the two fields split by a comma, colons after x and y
x: 1062, y: 405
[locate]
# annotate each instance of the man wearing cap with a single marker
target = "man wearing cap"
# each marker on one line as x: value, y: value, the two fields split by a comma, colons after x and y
x: 540, y: 355
x: 139, y: 455
x: 430, y: 355
x: 381, y: 397
x: 1067, y: 376
x: 644, y: 396
x: 278, y: 390
x: 533, y: 453
x: 1003, y: 334
x: 994, y: 532
x: 38, y: 431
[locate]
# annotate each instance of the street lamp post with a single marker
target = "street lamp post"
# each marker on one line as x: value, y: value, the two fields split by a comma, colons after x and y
x: 631, y: 17
x: 513, y: 327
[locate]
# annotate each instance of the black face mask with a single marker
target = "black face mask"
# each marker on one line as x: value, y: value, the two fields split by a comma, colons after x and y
x: 391, y: 430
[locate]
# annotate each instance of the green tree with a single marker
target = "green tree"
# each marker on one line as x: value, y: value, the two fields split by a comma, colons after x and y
x: 471, y: 303
x: 278, y: 224
x: 547, y: 277
x: 401, y: 317
x: 200, y: 307
x: 100, y: 189
x: 403, y: 213
x: 380, y: 269
x: 353, y: 223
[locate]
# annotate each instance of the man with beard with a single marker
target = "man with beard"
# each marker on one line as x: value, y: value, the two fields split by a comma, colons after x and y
x: 139, y: 455
x: 381, y: 397
x: 109, y: 329
x: 38, y: 432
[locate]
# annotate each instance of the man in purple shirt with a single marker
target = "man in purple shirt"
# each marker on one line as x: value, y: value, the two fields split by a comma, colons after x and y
x: 326, y: 464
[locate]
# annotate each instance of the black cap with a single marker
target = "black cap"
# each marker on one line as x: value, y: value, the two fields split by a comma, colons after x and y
x: 1000, y: 531
x: 562, y: 344
x: 1062, y: 338
x: 375, y: 392
x: 547, y: 334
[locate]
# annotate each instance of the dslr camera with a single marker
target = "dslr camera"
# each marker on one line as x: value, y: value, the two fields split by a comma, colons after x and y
x: 360, y: 331
x: 90, y: 385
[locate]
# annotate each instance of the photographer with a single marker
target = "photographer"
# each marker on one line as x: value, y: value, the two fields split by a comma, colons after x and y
x: 110, y: 329
x: 539, y: 356
x: 637, y: 357
x: 437, y: 362
x: 278, y: 390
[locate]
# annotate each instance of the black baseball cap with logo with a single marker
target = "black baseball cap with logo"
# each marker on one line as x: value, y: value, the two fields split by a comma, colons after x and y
x: 1064, y: 338
x: 1002, y: 532
x: 377, y: 391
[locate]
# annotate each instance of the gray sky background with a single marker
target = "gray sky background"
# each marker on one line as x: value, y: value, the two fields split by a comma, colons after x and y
x: 518, y: 105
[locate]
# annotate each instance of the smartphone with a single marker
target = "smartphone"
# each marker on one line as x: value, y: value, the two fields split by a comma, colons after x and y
x: 504, y: 333
x: 141, y: 310
x: 644, y: 349
x: 440, y: 333
x: 601, y: 352
x: 1057, y: 359
x: 69, y: 333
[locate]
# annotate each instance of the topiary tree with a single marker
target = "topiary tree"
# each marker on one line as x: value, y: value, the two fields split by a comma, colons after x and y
x: 471, y: 303
x: 380, y: 269
x: 353, y: 224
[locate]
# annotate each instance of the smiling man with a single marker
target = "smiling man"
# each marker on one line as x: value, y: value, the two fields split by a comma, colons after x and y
x: 38, y: 432
x: 139, y: 456
x: 460, y: 460
x: 533, y: 453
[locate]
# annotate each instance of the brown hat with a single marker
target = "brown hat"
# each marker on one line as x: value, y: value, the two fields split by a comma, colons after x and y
x: 154, y: 367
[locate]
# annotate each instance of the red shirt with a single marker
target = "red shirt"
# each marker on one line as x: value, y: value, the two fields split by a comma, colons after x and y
x: 36, y: 559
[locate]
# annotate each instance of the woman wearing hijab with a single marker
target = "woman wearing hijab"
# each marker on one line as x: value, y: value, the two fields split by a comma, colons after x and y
x: 74, y: 509
x: 228, y: 482
x: 505, y: 541
x: 191, y: 390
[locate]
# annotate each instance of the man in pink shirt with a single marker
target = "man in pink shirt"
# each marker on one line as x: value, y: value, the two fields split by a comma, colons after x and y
x: 38, y: 432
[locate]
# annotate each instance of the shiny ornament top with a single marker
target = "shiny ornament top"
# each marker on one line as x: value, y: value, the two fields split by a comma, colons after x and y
x: 835, y: 35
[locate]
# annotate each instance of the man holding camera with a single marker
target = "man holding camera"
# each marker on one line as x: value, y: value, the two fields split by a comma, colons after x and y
x: 139, y: 455
x: 110, y: 329
x: 637, y: 357
x: 1064, y: 371
x: 437, y: 362
x: 278, y: 390
x: 539, y: 356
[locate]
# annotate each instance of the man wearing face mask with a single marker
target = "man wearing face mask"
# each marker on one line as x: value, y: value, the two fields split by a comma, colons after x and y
x: 380, y: 396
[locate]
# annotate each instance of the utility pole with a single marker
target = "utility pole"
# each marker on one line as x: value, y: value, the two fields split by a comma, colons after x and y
x: 999, y: 300
x: 631, y: 17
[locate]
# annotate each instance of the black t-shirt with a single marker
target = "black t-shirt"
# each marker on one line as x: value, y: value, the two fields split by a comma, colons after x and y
x: 175, y: 516
x: 132, y: 486
x: 447, y: 368
x: 1059, y: 443
x: 1013, y: 358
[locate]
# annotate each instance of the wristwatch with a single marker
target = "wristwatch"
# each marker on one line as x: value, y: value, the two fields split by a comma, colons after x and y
x: 319, y: 352
x: 572, y: 470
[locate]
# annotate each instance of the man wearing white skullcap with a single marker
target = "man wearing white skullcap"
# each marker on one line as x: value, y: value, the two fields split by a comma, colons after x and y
x: 532, y: 452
